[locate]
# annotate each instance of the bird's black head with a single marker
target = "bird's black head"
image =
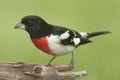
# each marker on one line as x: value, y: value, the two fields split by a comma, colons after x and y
x: 32, y: 21
x: 34, y: 25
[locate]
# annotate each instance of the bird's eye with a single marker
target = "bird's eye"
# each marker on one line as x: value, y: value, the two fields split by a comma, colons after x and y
x: 30, y: 22
x: 27, y: 22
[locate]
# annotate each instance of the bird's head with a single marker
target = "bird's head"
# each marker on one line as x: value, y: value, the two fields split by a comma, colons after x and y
x: 30, y: 22
x: 34, y: 25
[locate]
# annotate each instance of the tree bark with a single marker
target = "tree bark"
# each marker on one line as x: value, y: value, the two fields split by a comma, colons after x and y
x: 22, y: 71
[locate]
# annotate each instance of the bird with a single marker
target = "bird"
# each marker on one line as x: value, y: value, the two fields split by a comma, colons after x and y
x: 55, y: 40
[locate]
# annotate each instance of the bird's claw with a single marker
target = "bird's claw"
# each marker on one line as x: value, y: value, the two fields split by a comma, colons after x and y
x: 48, y: 65
x: 72, y: 63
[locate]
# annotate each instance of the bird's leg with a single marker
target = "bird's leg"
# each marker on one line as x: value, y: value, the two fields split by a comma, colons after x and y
x: 49, y: 62
x: 72, y: 60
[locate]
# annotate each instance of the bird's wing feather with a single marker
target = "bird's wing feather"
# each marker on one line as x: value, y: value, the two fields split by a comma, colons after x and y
x: 67, y: 36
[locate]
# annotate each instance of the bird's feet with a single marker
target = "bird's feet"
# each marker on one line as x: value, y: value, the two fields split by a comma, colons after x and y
x: 72, y: 63
x: 48, y: 65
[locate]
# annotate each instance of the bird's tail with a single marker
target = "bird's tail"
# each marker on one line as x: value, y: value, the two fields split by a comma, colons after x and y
x: 93, y: 34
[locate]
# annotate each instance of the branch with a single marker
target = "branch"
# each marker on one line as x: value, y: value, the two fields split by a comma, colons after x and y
x: 22, y: 71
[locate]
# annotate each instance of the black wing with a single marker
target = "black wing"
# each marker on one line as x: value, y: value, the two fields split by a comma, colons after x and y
x: 73, y: 37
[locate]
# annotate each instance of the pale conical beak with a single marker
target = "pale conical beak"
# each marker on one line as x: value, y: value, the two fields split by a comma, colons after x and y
x: 19, y: 26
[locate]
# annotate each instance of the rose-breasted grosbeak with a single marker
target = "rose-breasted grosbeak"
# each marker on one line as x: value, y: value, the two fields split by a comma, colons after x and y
x: 54, y: 40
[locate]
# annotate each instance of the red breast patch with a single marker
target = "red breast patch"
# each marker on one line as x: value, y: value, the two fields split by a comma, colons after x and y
x: 42, y: 44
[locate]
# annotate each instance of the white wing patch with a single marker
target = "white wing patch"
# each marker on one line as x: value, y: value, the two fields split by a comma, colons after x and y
x: 65, y: 35
x: 84, y: 34
x: 76, y: 41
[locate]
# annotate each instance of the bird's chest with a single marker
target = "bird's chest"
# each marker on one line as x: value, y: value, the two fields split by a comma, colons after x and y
x: 52, y: 45
x: 42, y: 44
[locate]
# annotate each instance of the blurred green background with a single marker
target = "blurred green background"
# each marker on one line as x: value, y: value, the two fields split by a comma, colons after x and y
x: 100, y: 58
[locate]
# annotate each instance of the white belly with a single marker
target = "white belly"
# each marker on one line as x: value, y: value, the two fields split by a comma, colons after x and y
x: 57, y: 48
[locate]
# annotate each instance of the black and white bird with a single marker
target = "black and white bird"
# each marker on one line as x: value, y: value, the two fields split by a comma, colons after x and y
x: 54, y: 40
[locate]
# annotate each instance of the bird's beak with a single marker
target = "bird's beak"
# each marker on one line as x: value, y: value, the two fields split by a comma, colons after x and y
x: 19, y: 26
